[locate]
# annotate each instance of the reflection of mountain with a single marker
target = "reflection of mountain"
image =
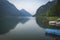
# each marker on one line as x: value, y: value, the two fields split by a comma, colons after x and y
x: 53, y: 36
x: 24, y: 13
x: 40, y: 23
x: 23, y: 20
x: 6, y: 24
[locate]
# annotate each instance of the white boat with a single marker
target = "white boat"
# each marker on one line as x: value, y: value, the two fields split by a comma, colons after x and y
x: 52, y: 22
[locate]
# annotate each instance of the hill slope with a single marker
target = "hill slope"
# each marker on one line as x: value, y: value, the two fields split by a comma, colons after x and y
x: 43, y: 9
x: 23, y: 12
x: 55, y: 10
x: 8, y: 9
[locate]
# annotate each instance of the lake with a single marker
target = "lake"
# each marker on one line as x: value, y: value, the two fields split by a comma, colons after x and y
x: 23, y: 29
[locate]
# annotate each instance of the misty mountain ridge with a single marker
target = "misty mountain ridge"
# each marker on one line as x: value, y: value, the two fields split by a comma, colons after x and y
x: 23, y: 12
x: 8, y: 9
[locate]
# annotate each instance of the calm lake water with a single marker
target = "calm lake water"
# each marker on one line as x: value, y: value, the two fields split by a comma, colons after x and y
x: 23, y: 29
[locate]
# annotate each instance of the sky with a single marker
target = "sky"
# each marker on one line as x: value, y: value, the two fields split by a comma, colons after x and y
x: 29, y: 5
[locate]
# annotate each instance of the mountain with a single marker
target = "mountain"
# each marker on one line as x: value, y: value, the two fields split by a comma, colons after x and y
x: 55, y: 10
x: 43, y: 9
x: 23, y: 12
x: 8, y: 9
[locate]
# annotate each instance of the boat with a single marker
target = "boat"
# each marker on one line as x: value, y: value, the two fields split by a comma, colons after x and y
x: 53, y: 31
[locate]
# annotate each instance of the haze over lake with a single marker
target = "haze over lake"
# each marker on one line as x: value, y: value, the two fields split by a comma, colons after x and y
x: 22, y: 29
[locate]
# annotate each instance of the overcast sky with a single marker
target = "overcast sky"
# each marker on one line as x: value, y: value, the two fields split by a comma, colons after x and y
x: 29, y: 5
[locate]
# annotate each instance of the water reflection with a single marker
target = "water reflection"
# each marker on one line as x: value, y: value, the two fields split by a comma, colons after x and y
x: 23, y: 20
x: 56, y: 37
x: 6, y: 24
x: 40, y: 23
